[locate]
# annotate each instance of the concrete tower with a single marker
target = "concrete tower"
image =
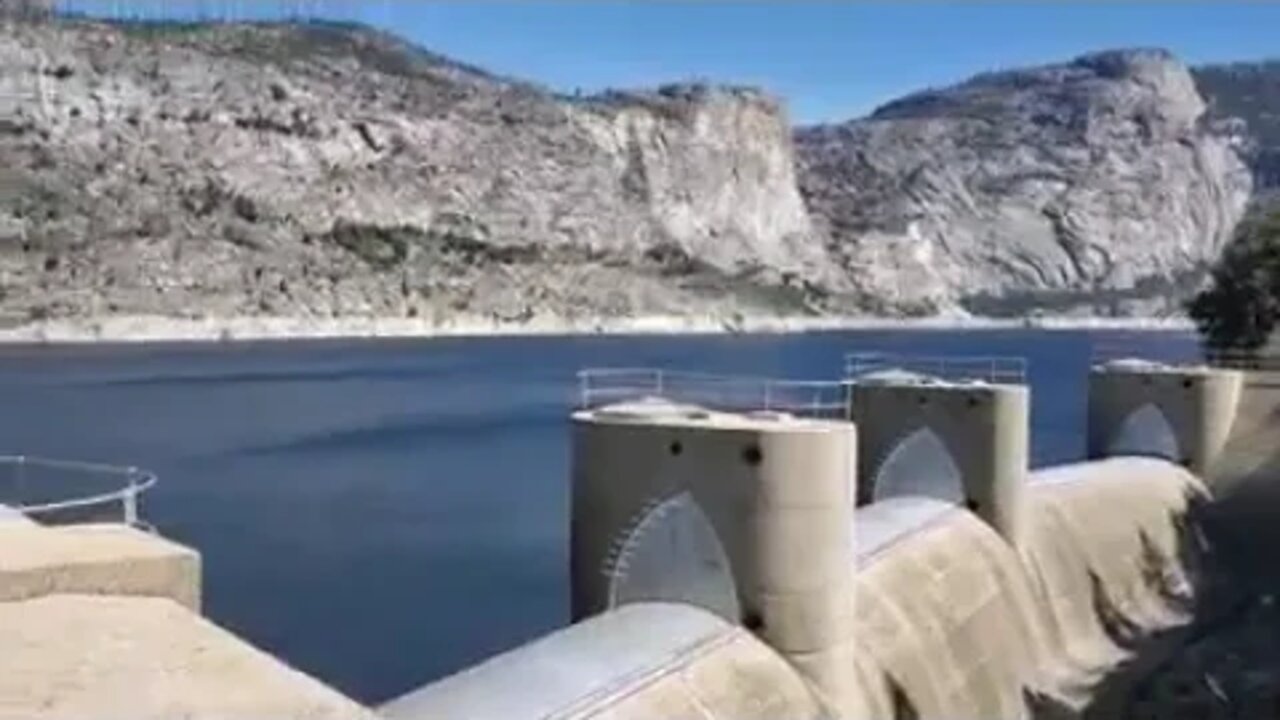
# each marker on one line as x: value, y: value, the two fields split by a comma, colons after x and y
x: 1181, y: 413
x: 778, y: 495
x: 966, y: 442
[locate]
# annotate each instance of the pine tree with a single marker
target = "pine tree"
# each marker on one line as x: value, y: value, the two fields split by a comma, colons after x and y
x: 1240, y: 308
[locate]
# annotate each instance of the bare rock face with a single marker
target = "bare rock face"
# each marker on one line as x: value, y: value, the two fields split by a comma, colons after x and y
x: 1094, y: 186
x: 330, y: 170
x: 26, y: 8
x: 1247, y: 96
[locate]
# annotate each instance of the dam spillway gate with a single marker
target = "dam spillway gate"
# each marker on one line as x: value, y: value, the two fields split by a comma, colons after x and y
x: 878, y: 547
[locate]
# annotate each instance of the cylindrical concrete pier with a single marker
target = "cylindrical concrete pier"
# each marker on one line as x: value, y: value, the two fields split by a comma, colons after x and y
x: 778, y: 492
x: 1132, y: 403
x: 983, y: 427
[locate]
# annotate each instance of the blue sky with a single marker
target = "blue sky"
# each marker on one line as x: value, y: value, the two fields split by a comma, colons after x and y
x: 829, y: 60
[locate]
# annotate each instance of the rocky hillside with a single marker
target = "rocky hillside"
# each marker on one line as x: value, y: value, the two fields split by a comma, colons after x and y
x: 331, y: 171
x: 323, y: 170
x: 1097, y: 185
x: 1249, y: 92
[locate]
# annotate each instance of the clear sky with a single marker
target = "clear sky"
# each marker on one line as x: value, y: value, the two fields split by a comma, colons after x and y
x: 829, y: 60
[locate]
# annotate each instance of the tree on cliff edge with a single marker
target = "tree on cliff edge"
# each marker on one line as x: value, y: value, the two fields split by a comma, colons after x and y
x: 1240, y: 308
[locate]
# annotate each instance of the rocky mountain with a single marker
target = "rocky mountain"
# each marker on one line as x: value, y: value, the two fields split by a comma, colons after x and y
x: 320, y: 170
x: 1097, y: 185
x: 1249, y: 93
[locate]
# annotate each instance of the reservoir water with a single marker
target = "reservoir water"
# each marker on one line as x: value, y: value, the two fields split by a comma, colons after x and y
x: 381, y: 514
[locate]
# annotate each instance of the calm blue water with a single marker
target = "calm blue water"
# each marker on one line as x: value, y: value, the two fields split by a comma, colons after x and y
x: 383, y: 513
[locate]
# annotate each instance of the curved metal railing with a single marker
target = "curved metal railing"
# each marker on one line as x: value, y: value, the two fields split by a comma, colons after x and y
x: 993, y: 369
x: 731, y: 393
x: 84, y: 489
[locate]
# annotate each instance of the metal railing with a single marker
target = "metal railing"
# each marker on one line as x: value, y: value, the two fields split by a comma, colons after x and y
x: 730, y: 393
x: 994, y: 369
x: 63, y: 492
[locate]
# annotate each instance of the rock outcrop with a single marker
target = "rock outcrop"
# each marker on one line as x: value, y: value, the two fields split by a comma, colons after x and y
x: 26, y: 8
x: 1095, y: 186
x: 1249, y: 93
x: 329, y: 171
x: 323, y: 170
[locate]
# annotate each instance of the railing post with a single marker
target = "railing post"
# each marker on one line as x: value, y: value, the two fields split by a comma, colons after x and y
x: 20, y: 480
x: 131, y: 499
x: 660, y: 382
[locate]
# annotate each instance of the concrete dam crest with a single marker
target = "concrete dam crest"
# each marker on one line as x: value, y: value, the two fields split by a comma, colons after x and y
x: 982, y: 590
x: 876, y: 547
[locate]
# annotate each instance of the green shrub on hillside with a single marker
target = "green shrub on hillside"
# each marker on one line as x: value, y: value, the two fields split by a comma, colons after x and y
x: 1239, y: 309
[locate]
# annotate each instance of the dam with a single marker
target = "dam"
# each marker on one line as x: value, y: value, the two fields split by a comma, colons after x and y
x: 874, y: 546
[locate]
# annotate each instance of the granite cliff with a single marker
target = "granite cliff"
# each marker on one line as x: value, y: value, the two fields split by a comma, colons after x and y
x: 320, y: 170
x: 328, y: 171
x: 1097, y: 186
x: 1248, y: 94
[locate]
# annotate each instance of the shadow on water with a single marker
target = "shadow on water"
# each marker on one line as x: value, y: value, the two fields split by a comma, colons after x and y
x: 432, y: 426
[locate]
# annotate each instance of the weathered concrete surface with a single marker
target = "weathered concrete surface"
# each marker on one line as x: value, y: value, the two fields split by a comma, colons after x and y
x: 1246, y: 482
x: 1199, y: 404
x: 779, y: 495
x: 1225, y: 664
x: 641, y: 661
x: 1114, y: 556
x: 947, y: 616
x: 984, y: 428
x: 77, y: 657
x: 95, y: 559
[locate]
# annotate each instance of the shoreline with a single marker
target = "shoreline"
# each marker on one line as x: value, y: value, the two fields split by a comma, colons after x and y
x: 157, y: 329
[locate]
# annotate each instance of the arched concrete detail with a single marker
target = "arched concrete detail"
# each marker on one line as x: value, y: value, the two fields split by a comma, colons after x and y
x: 1146, y: 431
x: 779, y: 494
x: 1198, y: 403
x: 673, y: 554
x: 922, y: 465
x: 984, y: 428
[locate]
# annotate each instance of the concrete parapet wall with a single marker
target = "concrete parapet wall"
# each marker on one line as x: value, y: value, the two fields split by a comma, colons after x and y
x: 95, y: 559
x: 78, y: 657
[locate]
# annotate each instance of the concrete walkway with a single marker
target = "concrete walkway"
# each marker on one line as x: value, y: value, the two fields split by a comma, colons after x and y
x: 102, y: 622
